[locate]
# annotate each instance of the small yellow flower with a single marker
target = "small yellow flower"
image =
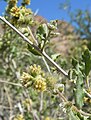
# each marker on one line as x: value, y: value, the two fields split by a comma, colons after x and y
x: 35, y: 70
x: 40, y: 83
x: 12, y: 2
x: 24, y: 11
x: 27, y: 102
x: 19, y: 117
x: 27, y: 2
x: 47, y: 118
x: 26, y: 79
x: 15, y: 11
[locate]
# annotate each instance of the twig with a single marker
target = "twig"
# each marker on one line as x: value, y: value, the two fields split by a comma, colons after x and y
x: 35, y: 47
x: 80, y: 111
x: 9, y: 101
x: 62, y: 96
x: 87, y: 82
x: 88, y: 94
x: 11, y: 83
x: 47, y: 66
x: 84, y: 113
x: 5, y: 107
x: 41, y: 101
x: 32, y: 36
x: 55, y: 64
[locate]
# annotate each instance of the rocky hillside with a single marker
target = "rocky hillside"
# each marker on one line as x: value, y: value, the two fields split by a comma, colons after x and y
x: 64, y: 42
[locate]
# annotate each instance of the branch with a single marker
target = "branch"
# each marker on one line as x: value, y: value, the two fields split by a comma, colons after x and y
x: 10, y: 83
x: 46, y: 64
x: 35, y: 47
x: 62, y: 96
x: 88, y: 94
x: 9, y: 101
x: 41, y: 102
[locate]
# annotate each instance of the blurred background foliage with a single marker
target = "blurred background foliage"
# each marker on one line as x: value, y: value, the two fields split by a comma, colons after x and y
x: 16, y: 58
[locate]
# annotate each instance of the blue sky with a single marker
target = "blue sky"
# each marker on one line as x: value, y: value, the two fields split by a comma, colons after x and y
x: 49, y: 9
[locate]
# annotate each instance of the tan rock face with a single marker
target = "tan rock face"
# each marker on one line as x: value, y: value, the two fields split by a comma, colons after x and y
x: 40, y: 19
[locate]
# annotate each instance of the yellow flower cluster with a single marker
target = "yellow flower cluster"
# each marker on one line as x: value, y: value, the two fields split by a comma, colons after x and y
x: 20, y: 12
x: 48, y: 118
x: 24, y: 11
x: 26, y: 2
x: 34, y: 78
x: 19, y: 117
x: 27, y: 102
x: 21, y: 16
x: 15, y: 11
x: 26, y: 79
x: 13, y: 2
x: 40, y: 83
x: 35, y: 70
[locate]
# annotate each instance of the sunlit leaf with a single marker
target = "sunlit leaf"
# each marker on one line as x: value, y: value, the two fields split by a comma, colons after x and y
x: 79, y: 93
x: 42, y: 32
x: 87, y: 59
